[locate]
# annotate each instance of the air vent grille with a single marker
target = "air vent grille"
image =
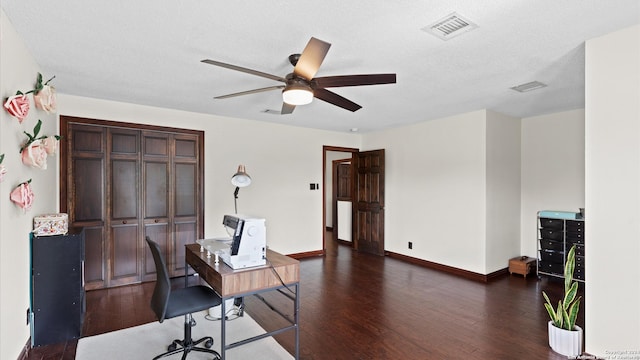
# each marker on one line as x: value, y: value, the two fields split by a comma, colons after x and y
x: 450, y: 26
x: 530, y: 86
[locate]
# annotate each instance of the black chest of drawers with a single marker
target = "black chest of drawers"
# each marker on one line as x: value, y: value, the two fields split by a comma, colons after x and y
x: 556, y: 236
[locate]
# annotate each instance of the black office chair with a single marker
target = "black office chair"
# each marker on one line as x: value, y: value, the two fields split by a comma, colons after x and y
x: 167, y: 303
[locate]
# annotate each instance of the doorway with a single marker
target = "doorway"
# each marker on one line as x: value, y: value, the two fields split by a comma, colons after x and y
x: 329, y: 155
x: 367, y: 197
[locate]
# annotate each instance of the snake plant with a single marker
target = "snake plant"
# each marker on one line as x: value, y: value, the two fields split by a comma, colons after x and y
x: 565, y: 315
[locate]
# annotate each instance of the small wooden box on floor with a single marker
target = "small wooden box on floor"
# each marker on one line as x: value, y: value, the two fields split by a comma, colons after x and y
x: 521, y: 265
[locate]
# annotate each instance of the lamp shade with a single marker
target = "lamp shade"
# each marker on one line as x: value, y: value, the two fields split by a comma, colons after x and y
x: 241, y: 178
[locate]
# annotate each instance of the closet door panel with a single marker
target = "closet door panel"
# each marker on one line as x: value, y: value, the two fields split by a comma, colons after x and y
x: 156, y: 193
x: 185, y: 193
x: 88, y: 189
x: 185, y: 232
x: 125, y: 241
x: 158, y: 232
x: 156, y: 144
x: 124, y: 185
x: 124, y: 142
x: 94, y: 269
x: 85, y: 181
x: 156, y: 190
x: 124, y: 251
x: 186, y: 148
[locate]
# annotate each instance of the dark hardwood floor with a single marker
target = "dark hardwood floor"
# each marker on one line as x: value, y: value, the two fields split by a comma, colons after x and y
x: 359, y: 306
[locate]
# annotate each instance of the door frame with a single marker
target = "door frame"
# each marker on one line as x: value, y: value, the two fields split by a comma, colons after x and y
x: 325, y: 149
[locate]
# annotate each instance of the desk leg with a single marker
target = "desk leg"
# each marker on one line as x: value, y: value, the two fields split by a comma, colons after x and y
x: 296, y: 317
x: 186, y: 272
x: 223, y: 332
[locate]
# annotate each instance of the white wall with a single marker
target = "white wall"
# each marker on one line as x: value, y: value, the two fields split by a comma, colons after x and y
x: 453, y: 189
x: 503, y: 190
x: 612, y: 227
x: 18, y: 71
x: 435, y: 194
x: 344, y: 221
x: 552, y: 169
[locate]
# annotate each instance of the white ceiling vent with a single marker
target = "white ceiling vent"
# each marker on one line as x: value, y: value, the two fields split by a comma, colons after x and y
x: 450, y: 26
x: 530, y: 86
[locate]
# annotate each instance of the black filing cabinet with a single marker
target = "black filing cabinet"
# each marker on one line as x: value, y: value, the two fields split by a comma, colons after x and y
x: 57, y: 287
x: 556, y: 236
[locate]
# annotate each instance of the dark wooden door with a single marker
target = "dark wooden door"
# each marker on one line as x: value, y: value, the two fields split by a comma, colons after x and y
x: 123, y: 182
x: 124, y: 206
x: 83, y: 178
x: 369, y: 202
x: 156, y: 166
x: 187, y: 189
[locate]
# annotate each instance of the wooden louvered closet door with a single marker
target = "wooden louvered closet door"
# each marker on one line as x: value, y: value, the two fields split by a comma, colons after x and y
x: 123, y: 182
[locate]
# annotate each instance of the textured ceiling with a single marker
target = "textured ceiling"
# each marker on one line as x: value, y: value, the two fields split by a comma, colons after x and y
x: 148, y: 52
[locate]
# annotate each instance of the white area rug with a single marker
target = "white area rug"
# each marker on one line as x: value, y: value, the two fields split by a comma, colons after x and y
x: 147, y: 341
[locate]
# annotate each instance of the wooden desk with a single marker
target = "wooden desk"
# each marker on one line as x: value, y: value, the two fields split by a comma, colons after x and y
x: 229, y: 283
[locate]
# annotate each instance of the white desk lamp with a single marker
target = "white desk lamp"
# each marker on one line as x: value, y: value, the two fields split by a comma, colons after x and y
x: 239, y: 179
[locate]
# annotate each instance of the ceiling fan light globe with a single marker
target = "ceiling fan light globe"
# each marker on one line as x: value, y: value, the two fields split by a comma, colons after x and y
x: 297, y: 96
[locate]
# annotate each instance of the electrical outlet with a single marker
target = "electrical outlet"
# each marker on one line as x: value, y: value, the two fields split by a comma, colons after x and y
x: 410, y: 245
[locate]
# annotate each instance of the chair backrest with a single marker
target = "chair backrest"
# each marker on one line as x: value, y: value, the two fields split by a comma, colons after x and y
x: 162, y: 290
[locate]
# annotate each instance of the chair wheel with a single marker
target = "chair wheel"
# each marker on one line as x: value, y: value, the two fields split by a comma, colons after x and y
x: 208, y: 344
x: 172, y: 347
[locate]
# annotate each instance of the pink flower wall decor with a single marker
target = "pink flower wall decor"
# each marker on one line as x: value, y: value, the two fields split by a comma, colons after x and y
x: 35, y: 150
x: 50, y: 144
x: 3, y: 170
x: 44, y: 95
x: 45, y: 99
x: 23, y: 195
x: 18, y: 106
x: 35, y: 155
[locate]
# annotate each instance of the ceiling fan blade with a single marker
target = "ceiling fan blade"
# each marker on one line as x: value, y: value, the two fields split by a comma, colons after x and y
x: 335, y: 99
x: 287, y: 108
x: 311, y: 58
x: 353, y: 80
x: 244, y: 70
x: 254, y: 91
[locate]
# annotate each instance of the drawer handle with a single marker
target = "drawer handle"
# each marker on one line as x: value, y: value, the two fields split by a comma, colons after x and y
x: 155, y: 221
x: 124, y: 221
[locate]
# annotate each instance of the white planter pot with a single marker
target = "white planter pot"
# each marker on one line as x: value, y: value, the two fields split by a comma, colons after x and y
x: 565, y: 342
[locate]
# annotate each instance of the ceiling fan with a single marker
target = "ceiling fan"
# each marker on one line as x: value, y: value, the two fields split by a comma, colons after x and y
x: 301, y: 86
